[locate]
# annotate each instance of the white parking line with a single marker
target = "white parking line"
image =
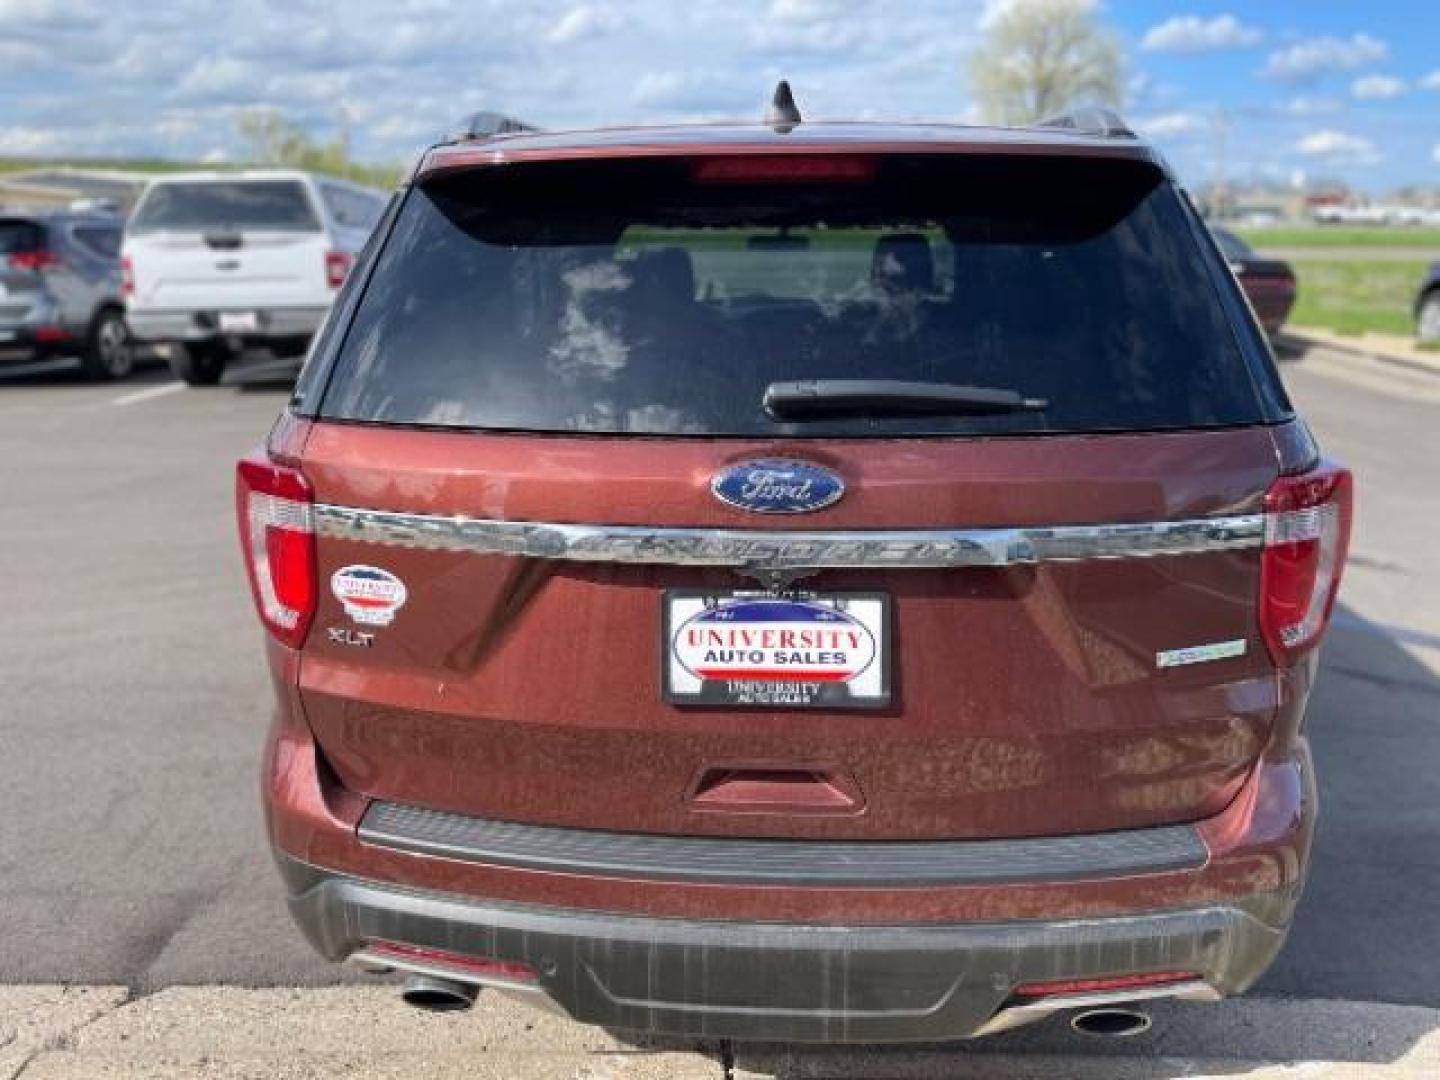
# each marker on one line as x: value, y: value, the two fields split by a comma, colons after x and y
x: 145, y: 395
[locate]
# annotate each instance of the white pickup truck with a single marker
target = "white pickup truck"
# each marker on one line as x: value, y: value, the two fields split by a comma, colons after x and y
x: 214, y: 262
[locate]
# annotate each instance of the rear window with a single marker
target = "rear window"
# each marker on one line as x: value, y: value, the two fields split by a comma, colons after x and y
x: 642, y: 297
x: 273, y: 205
x: 20, y: 236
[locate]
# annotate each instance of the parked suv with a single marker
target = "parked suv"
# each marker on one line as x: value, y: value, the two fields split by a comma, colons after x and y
x: 60, y: 290
x: 218, y: 261
x: 842, y: 582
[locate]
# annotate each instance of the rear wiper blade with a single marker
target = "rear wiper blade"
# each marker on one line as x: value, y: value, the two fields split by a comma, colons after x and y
x: 824, y: 399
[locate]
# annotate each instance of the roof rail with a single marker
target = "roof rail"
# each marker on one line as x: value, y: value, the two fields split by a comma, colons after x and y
x: 1091, y: 120
x: 486, y: 125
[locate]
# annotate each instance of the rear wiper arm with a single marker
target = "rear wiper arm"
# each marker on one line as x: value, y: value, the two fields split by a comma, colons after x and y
x: 824, y: 399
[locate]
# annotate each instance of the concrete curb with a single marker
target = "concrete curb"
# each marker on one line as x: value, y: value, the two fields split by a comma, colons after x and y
x: 1380, y: 350
x: 52, y: 1033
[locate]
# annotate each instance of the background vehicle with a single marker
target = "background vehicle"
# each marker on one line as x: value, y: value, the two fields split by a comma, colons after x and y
x: 218, y: 261
x: 1427, y: 306
x: 60, y: 290
x: 660, y: 626
x: 1269, y: 283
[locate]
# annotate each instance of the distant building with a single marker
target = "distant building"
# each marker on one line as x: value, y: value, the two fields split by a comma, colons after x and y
x: 46, y: 188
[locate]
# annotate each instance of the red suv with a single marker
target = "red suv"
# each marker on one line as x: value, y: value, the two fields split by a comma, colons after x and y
x: 841, y: 582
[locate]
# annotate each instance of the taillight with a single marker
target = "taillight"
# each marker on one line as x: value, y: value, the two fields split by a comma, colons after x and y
x: 40, y: 259
x: 277, y: 533
x: 337, y: 265
x: 127, y: 277
x: 1307, y: 536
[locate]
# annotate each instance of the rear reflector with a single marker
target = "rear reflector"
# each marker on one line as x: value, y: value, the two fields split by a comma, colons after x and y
x: 1062, y: 987
x: 127, y: 277
x: 337, y: 265
x: 480, y: 966
x: 1307, y: 536
x: 50, y: 333
x: 278, y: 536
x: 779, y: 168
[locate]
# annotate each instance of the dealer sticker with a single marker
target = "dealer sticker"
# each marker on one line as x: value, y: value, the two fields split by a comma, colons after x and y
x: 370, y: 595
x: 777, y: 651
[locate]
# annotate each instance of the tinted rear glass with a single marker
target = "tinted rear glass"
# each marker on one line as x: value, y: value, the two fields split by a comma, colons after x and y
x: 20, y: 236
x: 277, y: 205
x: 633, y: 297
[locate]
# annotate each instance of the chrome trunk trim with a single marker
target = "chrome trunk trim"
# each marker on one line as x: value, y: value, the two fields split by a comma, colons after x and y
x: 780, y: 550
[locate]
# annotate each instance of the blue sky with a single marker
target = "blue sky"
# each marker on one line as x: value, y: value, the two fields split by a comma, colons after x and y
x: 1308, y: 89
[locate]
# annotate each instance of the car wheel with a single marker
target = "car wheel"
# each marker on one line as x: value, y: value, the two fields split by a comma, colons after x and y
x: 109, y: 352
x: 1427, y: 324
x: 200, y: 364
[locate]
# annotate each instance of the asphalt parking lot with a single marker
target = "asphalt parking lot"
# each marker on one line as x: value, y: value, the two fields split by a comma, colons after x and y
x: 134, y: 701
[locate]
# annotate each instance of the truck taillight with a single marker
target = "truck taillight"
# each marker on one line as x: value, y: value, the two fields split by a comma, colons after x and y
x: 127, y: 277
x: 277, y: 533
x: 1307, y: 536
x: 39, y: 259
x: 337, y: 265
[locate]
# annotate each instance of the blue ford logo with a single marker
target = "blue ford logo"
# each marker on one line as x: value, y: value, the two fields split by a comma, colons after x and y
x: 777, y: 486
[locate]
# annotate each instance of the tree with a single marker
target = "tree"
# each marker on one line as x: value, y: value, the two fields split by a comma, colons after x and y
x: 1041, y: 57
x: 270, y: 139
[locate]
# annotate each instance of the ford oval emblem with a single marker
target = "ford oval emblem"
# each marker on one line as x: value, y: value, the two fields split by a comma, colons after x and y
x: 777, y: 486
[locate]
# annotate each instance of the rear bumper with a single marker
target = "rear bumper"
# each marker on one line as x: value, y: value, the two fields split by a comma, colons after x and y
x: 163, y: 325
x: 773, y: 981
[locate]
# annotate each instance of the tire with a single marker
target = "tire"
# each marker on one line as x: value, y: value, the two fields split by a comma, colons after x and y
x: 200, y: 364
x: 1427, y: 319
x: 109, y: 353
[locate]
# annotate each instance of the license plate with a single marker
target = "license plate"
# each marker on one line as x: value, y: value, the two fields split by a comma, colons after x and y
x: 817, y: 651
x: 239, y: 322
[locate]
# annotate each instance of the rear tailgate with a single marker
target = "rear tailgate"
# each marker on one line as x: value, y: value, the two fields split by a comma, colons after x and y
x: 228, y: 270
x: 227, y: 243
x: 1026, y: 699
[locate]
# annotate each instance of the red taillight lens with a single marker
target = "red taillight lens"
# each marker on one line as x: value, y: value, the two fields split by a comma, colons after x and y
x: 277, y: 533
x: 42, y: 259
x: 780, y: 168
x: 337, y: 265
x: 127, y: 277
x: 1307, y: 536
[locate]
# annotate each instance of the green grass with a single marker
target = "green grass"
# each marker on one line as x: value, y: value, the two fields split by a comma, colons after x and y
x: 1352, y: 296
x: 1341, y: 236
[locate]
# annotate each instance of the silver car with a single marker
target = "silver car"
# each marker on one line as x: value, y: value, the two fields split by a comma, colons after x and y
x: 60, y: 290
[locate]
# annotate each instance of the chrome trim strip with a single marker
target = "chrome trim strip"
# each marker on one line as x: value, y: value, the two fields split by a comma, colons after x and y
x: 777, y: 550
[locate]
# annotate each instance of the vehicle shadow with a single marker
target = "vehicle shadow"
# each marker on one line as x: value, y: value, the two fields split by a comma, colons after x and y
x: 1364, y: 933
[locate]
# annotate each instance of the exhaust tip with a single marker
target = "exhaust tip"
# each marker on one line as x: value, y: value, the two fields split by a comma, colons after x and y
x: 1111, y: 1023
x: 434, y: 994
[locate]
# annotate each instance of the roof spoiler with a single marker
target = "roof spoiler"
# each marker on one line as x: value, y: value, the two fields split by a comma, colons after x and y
x: 486, y: 125
x: 1091, y: 120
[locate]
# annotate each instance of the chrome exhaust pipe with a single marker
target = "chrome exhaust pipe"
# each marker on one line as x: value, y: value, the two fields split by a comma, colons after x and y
x: 1111, y: 1023
x: 434, y: 994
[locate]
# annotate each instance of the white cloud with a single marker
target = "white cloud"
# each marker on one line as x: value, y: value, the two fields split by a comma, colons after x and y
x: 217, y: 77
x: 581, y: 21
x: 1378, y: 88
x: 1192, y: 34
x: 1431, y: 81
x: 1308, y: 59
x: 1338, y: 147
x: 1435, y: 154
x: 1311, y: 106
x: 1171, y: 125
x: 27, y: 140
